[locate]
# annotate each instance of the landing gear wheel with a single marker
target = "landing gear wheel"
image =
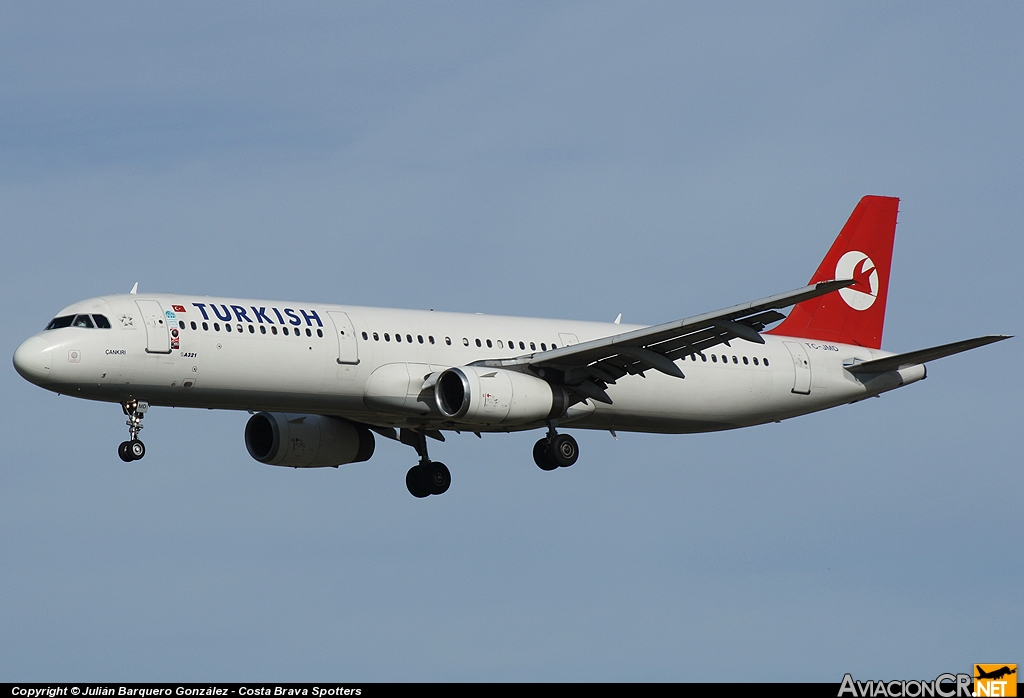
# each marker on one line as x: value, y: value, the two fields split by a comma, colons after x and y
x: 438, y: 478
x: 124, y: 451
x: 414, y: 481
x: 563, y: 450
x: 137, y: 449
x: 540, y: 456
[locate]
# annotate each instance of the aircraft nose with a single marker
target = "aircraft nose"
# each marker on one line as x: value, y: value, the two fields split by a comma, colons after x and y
x: 32, y: 360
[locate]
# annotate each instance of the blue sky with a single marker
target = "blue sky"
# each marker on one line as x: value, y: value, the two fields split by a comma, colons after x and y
x: 560, y: 160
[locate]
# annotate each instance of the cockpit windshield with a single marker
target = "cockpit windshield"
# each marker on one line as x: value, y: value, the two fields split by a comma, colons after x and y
x: 83, y: 320
x: 62, y: 321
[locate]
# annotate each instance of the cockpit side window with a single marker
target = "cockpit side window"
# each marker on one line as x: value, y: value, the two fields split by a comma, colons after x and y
x: 102, y: 322
x: 82, y: 321
x: 62, y: 321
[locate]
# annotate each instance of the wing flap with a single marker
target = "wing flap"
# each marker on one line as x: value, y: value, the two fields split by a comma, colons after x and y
x: 597, y: 349
x: 594, y: 365
x: 913, y: 358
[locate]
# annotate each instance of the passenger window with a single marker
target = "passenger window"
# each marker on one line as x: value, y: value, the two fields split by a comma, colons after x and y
x: 765, y: 361
x: 309, y: 332
x: 59, y: 322
x: 431, y: 339
x: 82, y: 321
x: 193, y: 324
x: 206, y: 328
x: 398, y: 337
x: 543, y: 346
x: 478, y: 342
x: 284, y: 331
x: 319, y: 333
x: 227, y: 327
x: 273, y: 329
x: 216, y: 327
x: 501, y: 345
x: 704, y: 358
x: 735, y: 360
x: 465, y: 341
x: 755, y: 361
x: 103, y: 323
x: 263, y: 329
x: 554, y: 346
x: 408, y: 338
x: 489, y: 344
x: 745, y: 362
x: 364, y: 336
x: 448, y: 341
x: 522, y: 346
x: 714, y: 359
x: 387, y: 337
x: 376, y: 337
x: 181, y: 324
x: 533, y: 346
x: 252, y: 330
x: 419, y: 338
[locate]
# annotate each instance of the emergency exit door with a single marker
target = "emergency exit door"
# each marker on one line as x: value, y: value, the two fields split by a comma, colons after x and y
x: 348, y: 346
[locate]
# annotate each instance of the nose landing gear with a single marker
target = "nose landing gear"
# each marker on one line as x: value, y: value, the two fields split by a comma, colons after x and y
x: 133, y: 449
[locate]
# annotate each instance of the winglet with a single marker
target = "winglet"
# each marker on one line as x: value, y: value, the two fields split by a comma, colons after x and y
x: 135, y: 289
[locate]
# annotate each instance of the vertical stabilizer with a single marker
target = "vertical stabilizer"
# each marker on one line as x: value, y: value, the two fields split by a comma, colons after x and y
x: 862, y: 252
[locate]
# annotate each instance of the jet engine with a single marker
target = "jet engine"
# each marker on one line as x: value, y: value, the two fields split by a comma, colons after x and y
x: 306, y: 440
x: 488, y: 396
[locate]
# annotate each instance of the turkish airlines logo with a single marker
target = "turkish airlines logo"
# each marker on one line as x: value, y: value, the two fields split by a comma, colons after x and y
x: 859, y: 267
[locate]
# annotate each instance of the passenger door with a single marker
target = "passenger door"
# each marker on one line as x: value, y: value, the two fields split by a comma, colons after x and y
x: 802, y: 377
x: 158, y: 334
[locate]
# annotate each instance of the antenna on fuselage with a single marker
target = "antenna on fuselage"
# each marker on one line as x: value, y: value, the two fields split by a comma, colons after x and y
x: 135, y: 289
x: 618, y: 319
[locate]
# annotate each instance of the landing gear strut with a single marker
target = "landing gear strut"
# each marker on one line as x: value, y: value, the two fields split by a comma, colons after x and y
x: 429, y: 477
x: 555, y: 450
x: 133, y: 449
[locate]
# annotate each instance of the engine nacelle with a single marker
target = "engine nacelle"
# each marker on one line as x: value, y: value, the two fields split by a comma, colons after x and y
x: 489, y: 396
x: 306, y: 440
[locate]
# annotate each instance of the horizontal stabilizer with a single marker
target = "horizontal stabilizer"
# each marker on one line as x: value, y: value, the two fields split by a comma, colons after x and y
x: 913, y: 358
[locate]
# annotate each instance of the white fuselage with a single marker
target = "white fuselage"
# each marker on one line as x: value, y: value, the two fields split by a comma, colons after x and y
x: 369, y: 364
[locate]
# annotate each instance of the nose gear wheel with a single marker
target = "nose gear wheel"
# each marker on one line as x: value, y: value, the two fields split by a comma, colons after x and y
x: 133, y: 449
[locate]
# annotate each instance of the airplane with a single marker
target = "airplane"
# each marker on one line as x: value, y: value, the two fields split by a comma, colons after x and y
x: 321, y: 380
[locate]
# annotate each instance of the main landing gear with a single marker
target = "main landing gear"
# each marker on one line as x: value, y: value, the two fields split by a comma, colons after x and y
x: 429, y: 477
x: 133, y: 449
x: 555, y: 450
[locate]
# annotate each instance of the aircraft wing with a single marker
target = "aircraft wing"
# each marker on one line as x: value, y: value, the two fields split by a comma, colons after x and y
x: 588, y: 368
x: 913, y: 358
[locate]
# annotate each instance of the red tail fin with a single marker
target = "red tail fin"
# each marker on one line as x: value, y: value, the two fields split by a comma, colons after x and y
x: 862, y: 252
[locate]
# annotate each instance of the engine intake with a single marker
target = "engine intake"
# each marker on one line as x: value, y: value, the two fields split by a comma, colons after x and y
x: 306, y: 440
x: 489, y: 396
